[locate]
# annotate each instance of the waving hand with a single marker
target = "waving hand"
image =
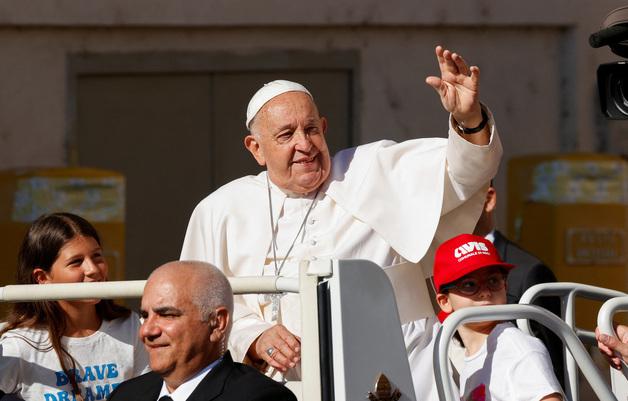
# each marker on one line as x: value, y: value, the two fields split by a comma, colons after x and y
x: 458, y: 87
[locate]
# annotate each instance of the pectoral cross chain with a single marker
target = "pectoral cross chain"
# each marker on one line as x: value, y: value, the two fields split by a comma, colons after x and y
x: 275, y: 305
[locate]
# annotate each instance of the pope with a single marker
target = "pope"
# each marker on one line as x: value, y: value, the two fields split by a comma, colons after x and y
x: 386, y: 202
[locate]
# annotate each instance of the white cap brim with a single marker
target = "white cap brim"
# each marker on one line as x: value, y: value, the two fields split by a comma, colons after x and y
x: 269, y: 91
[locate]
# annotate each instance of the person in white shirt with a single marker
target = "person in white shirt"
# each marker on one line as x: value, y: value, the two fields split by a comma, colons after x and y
x: 501, y: 363
x: 64, y: 350
x: 186, y: 309
x: 386, y: 202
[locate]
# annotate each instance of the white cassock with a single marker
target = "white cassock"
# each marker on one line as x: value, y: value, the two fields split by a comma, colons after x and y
x: 386, y: 202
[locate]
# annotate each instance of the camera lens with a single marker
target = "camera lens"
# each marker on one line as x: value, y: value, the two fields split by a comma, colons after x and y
x: 619, y: 90
x: 613, y: 88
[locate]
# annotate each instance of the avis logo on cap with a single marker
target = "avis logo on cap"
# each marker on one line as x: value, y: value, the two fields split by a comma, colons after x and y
x: 463, y: 254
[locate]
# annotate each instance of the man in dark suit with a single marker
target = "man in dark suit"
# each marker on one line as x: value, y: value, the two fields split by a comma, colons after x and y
x: 187, y: 308
x: 529, y: 270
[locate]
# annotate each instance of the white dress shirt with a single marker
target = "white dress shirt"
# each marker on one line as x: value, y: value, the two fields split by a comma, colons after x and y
x: 182, y: 392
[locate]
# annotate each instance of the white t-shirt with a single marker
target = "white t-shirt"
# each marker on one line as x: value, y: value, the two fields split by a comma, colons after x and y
x: 104, y: 359
x: 510, y: 366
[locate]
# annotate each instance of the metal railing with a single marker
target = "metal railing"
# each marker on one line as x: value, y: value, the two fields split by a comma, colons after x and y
x: 568, y: 292
x: 309, y: 386
x: 444, y: 382
x: 131, y: 289
x: 619, y: 379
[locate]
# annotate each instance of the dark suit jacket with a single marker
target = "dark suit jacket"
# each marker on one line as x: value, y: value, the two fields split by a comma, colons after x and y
x: 228, y: 381
x: 528, y: 271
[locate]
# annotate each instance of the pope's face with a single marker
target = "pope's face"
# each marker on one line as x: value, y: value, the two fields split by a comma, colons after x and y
x: 289, y: 139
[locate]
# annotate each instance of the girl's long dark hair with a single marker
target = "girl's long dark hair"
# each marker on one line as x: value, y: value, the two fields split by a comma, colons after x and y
x: 40, y: 248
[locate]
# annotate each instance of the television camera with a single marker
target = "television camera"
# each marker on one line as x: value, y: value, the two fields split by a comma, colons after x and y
x: 612, y: 78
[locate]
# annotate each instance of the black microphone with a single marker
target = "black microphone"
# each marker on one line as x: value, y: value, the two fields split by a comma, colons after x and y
x: 610, y: 35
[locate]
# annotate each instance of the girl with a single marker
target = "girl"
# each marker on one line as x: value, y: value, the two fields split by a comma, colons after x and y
x: 67, y: 350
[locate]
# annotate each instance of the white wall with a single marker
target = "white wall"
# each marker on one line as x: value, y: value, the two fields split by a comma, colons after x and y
x: 538, y: 71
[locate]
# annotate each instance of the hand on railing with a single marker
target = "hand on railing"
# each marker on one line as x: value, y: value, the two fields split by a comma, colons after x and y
x: 614, y: 349
x: 278, y: 347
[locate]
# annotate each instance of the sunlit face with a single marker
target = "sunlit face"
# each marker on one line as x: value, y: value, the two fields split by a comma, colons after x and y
x: 178, y: 342
x: 487, y: 277
x: 289, y: 139
x: 80, y: 260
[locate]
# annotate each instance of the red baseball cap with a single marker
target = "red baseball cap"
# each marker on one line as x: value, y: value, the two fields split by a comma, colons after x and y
x: 462, y: 255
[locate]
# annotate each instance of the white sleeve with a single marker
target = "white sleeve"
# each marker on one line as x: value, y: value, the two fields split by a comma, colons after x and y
x: 247, y: 326
x: 195, y: 244
x: 423, y: 180
x: 469, y: 167
x: 394, y: 188
x: 532, y: 377
x: 10, y: 365
x: 199, y: 245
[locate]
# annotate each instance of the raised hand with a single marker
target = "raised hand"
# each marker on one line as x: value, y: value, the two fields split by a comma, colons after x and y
x: 458, y: 87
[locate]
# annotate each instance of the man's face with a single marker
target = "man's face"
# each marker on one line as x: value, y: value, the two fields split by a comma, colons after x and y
x: 178, y: 343
x: 289, y: 139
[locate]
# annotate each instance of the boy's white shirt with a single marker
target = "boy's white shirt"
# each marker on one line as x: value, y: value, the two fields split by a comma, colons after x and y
x: 456, y: 356
x: 511, y: 366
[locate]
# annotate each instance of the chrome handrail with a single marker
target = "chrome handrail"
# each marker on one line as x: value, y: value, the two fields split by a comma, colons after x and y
x: 446, y: 389
x: 568, y: 292
x: 132, y: 289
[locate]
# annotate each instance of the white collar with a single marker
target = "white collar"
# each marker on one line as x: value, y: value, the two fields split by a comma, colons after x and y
x: 490, y: 236
x: 182, y: 392
x: 292, y: 195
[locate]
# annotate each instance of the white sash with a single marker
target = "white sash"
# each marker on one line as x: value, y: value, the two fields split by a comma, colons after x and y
x: 411, y: 292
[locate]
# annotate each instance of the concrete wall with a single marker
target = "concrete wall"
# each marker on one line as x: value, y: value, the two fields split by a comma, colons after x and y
x: 538, y: 71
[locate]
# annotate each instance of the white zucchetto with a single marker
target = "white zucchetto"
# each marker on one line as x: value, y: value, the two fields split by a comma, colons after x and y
x: 269, y: 91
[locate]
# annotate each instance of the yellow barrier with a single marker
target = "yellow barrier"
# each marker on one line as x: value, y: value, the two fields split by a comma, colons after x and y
x: 97, y: 195
x: 571, y: 212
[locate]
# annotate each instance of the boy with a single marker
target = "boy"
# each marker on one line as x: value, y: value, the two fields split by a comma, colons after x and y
x: 501, y: 362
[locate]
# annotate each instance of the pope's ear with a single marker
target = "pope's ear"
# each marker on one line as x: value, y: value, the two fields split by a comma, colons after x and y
x: 252, y: 144
x: 40, y: 276
x: 324, y: 124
